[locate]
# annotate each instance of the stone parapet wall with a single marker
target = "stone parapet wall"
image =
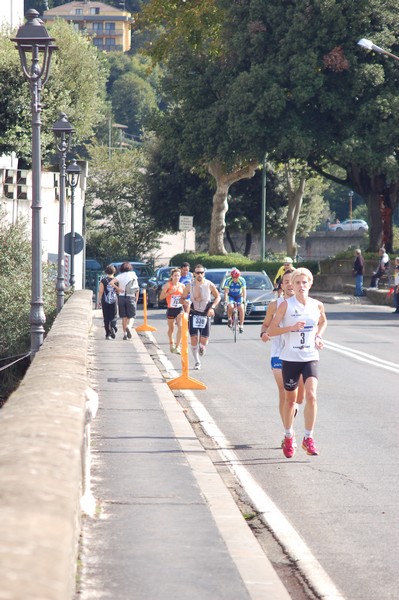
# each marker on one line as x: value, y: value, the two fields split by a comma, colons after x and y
x: 41, y: 439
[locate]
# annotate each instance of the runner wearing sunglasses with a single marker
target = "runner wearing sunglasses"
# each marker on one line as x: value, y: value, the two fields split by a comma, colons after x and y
x: 204, y: 296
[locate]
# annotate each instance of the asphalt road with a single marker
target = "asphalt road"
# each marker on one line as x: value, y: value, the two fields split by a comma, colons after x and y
x: 343, y: 503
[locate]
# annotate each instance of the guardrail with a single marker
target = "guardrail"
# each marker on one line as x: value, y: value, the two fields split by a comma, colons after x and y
x: 42, y: 428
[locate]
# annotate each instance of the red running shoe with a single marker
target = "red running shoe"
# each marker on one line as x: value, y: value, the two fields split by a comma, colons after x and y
x: 309, y: 446
x: 288, y: 447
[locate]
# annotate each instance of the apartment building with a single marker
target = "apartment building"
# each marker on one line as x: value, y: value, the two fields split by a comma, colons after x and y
x: 108, y: 26
x: 11, y: 12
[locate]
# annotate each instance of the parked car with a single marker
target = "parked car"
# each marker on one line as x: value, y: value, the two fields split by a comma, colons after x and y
x: 93, y: 265
x: 259, y: 295
x: 155, y: 285
x: 348, y: 225
x: 217, y: 276
x: 143, y: 271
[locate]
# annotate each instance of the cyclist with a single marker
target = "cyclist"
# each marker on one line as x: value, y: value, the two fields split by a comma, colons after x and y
x: 235, y: 291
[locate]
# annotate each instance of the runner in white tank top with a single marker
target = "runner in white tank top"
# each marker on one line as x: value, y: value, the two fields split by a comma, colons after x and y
x: 202, y: 307
x: 301, y: 321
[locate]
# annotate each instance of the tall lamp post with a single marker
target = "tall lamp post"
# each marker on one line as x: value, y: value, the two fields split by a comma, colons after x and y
x: 350, y: 207
x: 63, y: 131
x: 33, y: 39
x: 263, y: 223
x: 73, y: 174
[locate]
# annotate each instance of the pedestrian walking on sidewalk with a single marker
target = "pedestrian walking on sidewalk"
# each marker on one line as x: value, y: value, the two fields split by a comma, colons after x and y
x: 107, y: 299
x: 277, y: 344
x: 172, y: 292
x: 202, y: 308
x: 302, y: 322
x: 358, y: 271
x: 128, y: 289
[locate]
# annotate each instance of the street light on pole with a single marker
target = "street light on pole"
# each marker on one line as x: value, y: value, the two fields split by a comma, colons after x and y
x: 73, y: 174
x: 63, y: 131
x: 369, y: 45
x: 263, y: 217
x: 32, y: 38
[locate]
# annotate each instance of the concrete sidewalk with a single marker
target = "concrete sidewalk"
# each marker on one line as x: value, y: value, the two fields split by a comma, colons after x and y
x: 167, y: 526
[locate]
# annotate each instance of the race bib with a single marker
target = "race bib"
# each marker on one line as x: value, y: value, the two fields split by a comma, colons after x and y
x: 175, y: 302
x: 199, y: 322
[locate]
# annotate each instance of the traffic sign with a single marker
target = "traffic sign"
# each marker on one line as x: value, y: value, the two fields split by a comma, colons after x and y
x: 185, y: 223
x: 79, y: 243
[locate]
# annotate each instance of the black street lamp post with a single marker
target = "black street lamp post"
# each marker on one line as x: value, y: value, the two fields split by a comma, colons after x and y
x: 73, y: 174
x: 33, y: 39
x: 63, y: 131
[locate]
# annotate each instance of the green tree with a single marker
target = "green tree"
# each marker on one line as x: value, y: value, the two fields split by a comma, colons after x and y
x: 133, y: 99
x: 309, y: 92
x: 76, y: 86
x: 15, y: 249
x: 119, y: 225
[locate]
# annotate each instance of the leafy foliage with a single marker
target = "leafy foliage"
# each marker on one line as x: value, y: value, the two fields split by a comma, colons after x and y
x: 118, y: 221
x: 234, y: 259
x: 15, y: 300
x: 76, y: 86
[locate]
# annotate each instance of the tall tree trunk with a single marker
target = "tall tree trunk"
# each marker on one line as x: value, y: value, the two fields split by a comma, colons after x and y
x: 220, y: 205
x: 248, y: 243
x: 381, y: 196
x: 295, y: 199
x: 231, y: 241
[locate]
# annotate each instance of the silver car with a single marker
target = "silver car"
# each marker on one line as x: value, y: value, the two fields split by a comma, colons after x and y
x: 350, y: 225
x: 259, y: 295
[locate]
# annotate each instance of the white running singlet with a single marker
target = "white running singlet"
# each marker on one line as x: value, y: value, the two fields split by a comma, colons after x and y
x: 277, y: 341
x: 299, y: 346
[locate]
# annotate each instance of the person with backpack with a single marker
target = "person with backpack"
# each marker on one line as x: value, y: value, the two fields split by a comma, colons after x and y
x: 107, y: 299
x: 128, y: 288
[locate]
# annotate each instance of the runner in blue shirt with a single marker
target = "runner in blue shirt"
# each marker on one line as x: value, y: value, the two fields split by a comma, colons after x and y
x: 186, y: 278
x: 235, y: 290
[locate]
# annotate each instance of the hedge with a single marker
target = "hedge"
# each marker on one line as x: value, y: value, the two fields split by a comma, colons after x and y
x: 243, y: 263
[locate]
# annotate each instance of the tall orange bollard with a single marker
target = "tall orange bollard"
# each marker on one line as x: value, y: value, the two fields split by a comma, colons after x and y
x: 185, y: 382
x: 145, y: 326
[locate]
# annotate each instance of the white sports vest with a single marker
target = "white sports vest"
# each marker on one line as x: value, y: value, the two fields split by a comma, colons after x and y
x: 299, y: 346
x: 277, y: 341
x: 200, y: 295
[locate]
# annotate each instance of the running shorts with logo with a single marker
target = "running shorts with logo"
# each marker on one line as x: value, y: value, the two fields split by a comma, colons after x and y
x: 199, y: 323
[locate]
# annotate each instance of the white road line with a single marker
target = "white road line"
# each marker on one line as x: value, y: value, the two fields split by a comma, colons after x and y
x: 362, y: 357
x: 270, y: 514
x: 287, y: 535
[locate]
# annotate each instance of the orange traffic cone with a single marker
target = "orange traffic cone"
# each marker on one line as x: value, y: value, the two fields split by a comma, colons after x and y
x: 185, y: 382
x: 145, y: 327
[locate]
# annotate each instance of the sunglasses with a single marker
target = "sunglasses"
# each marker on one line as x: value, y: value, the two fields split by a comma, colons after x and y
x: 199, y: 272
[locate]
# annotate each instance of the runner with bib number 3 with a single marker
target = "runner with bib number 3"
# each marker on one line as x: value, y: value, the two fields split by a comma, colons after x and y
x: 200, y: 291
x: 301, y: 321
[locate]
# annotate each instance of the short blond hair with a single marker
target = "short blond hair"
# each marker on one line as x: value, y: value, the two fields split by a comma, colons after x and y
x: 302, y: 271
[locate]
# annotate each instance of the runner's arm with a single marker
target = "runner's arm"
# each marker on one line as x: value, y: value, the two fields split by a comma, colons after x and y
x: 274, y: 327
x: 216, y: 298
x: 321, y: 327
x: 271, y: 310
x: 164, y: 291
